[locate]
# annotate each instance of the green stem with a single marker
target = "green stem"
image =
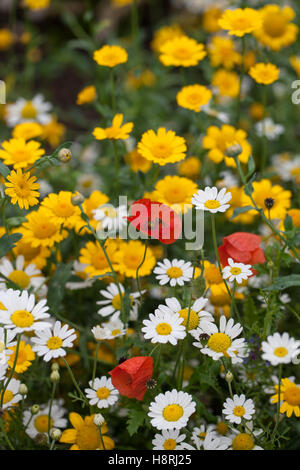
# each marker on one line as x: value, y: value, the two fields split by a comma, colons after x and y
x: 264, y: 137
x: 4, y: 433
x: 50, y: 408
x: 113, y: 91
x: 95, y: 363
x: 238, y: 113
x: 278, y: 402
x: 74, y: 380
x: 139, y: 267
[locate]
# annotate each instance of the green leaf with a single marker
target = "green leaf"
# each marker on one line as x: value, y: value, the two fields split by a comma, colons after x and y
x: 135, y: 421
x: 251, y: 166
x: 285, y: 282
x: 240, y: 210
x: 7, y: 242
x: 4, y: 170
x: 288, y: 223
x: 57, y: 285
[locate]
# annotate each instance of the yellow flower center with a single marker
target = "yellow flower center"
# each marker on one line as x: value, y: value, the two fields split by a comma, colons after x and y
x: 212, y: 204
x: 170, y: 444
x: 8, y: 396
x: 235, y: 271
x: 45, y: 229
x: 20, y: 278
x: 163, y: 329
x: 174, y: 272
x: 110, y: 212
x: 202, y: 436
x: 22, y: 188
x: 275, y: 25
x: 22, y: 318
x: 175, y: 194
x: 243, y: 441
x: 193, y: 318
x: 2, y: 346
x: 88, y: 437
x: 116, y: 302
x: 292, y: 396
x: 222, y: 428
x: 219, y: 342
x: 64, y: 209
x: 116, y: 332
x: 41, y: 423
x: 239, y: 411
x: 173, y: 412
x: 162, y: 150
x: 280, y: 351
x: 29, y: 111
x: 103, y: 392
x: 54, y: 342
x: 182, y: 53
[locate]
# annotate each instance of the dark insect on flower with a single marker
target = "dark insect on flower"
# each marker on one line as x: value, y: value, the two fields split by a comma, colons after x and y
x: 151, y: 384
x: 269, y: 202
x: 204, y: 337
x: 122, y: 359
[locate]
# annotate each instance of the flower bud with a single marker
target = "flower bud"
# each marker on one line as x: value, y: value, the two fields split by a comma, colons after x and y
x: 229, y: 377
x: 234, y: 150
x: 23, y: 390
x: 55, y: 376
x: 55, y: 366
x: 99, y: 419
x: 35, y: 409
x: 55, y: 434
x: 77, y: 199
x: 65, y: 155
x: 41, y: 439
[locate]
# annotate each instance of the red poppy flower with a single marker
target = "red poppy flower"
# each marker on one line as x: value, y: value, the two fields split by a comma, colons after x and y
x: 130, y: 377
x: 242, y: 247
x: 156, y: 220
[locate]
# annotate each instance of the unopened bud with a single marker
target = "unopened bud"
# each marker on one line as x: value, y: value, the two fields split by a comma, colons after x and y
x: 23, y: 390
x: 41, y: 439
x: 229, y: 377
x: 35, y: 409
x: 55, y: 366
x: 55, y: 434
x: 99, y: 419
x: 54, y: 376
x: 65, y: 155
x: 234, y: 150
x: 269, y: 202
x: 270, y: 264
x: 77, y: 199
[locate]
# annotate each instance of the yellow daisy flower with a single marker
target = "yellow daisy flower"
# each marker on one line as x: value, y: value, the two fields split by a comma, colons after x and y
x: 19, y: 153
x: 274, y: 200
x: 238, y: 199
x: 193, y: 97
x: 176, y: 192
x: 24, y: 358
x: 53, y: 132
x: 27, y: 130
x: 276, y: 30
x: 21, y: 188
x: 61, y: 210
x: 218, y: 141
x: 190, y: 168
x: 130, y: 256
x: 181, y: 51
x: 85, y: 434
x: 295, y: 63
x: 39, y: 230
x: 222, y: 52
x: 136, y: 162
x: 95, y: 200
x: 36, y: 4
x: 289, y: 396
x: 116, y: 131
x: 6, y: 39
x: 93, y: 256
x: 212, y: 274
x: 240, y: 21
x: 87, y: 95
x: 210, y: 19
x: 227, y: 83
x: 32, y: 255
x: 163, y: 147
x: 264, y: 73
x: 110, y: 56
x: 164, y: 34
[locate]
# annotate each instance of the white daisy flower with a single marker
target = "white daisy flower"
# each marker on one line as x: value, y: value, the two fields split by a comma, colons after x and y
x: 24, y: 277
x: 212, y: 442
x: 175, y: 272
x: 102, y: 392
x: 280, y: 349
x: 11, y: 395
x: 3, y: 370
x: 6, y: 341
x: 171, y: 410
x: 245, y: 440
x: 23, y: 110
x: 78, y: 271
x: 50, y: 343
x: 40, y: 421
x: 201, y: 432
x: 114, y: 327
x: 170, y: 440
x: 211, y: 199
x: 228, y: 180
x: 237, y: 408
x: 22, y: 312
x: 222, y: 341
x: 87, y: 183
x: 269, y: 129
x: 195, y: 315
x: 111, y: 218
x: 221, y: 428
x: 236, y: 271
x: 164, y: 326
x: 113, y: 302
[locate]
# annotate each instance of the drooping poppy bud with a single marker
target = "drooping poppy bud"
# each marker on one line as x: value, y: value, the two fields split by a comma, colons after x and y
x: 131, y: 376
